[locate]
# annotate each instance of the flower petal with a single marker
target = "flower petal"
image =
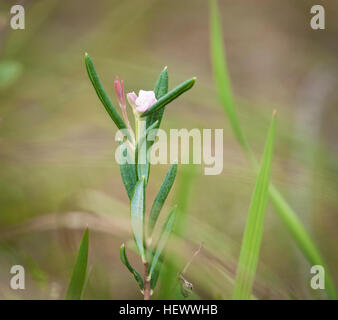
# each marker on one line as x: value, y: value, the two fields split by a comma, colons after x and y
x: 145, y: 100
x: 131, y: 96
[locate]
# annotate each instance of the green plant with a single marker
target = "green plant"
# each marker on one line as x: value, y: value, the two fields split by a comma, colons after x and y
x: 252, y: 239
x: 286, y: 213
x: 148, y: 109
x: 77, y: 281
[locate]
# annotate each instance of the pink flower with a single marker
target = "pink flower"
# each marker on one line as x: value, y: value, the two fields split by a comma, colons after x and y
x: 143, y: 101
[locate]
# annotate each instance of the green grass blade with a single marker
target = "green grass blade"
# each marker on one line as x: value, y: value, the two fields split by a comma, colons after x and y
x: 254, y: 227
x: 161, y: 197
x: 137, y: 208
x: 170, y: 96
x: 165, y: 233
x: 125, y: 261
x: 77, y: 280
x: 221, y: 74
x: 102, y: 94
x: 287, y: 214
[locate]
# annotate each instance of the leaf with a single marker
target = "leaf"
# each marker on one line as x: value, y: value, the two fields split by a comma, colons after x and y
x: 160, y: 89
x: 252, y: 239
x: 128, y: 172
x: 161, y: 197
x: 9, y: 72
x: 137, y: 207
x: 143, y: 168
x: 221, y: 74
x: 165, y: 233
x: 155, y: 276
x: 183, y: 197
x: 287, y: 214
x: 156, y: 272
x: 102, y: 94
x: 170, y: 96
x: 77, y: 280
x: 125, y: 261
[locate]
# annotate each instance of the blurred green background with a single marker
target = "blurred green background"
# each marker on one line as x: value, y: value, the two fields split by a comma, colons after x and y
x: 57, y: 166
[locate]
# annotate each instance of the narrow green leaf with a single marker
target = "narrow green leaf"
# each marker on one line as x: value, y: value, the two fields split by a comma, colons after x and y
x: 165, y: 233
x: 221, y: 74
x: 170, y: 96
x: 125, y: 261
x: 161, y: 197
x: 254, y: 226
x: 155, y: 276
x: 77, y: 280
x: 102, y: 94
x: 156, y: 272
x: 143, y: 168
x: 137, y: 208
x: 128, y: 171
x: 287, y: 214
x: 160, y: 89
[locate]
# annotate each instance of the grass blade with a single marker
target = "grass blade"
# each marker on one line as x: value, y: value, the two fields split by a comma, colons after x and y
x: 161, y: 197
x: 77, y: 280
x: 287, y: 214
x: 166, y: 230
x: 137, y: 215
x: 221, y: 74
x: 102, y: 94
x: 170, y: 96
x: 125, y: 261
x: 254, y: 227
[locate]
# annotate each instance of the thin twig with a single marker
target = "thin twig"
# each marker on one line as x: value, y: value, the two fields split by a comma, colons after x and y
x: 192, y: 258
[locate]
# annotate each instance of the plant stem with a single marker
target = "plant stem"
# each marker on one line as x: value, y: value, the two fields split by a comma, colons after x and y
x: 146, y: 279
x: 146, y: 282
